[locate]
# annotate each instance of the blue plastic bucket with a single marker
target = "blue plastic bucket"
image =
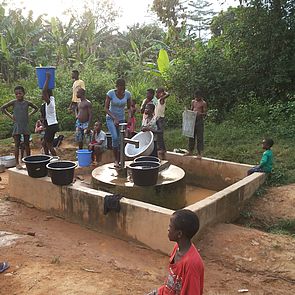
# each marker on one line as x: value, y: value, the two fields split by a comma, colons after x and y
x: 41, y: 76
x: 84, y: 158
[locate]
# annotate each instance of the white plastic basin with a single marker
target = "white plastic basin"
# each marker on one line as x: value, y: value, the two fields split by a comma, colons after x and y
x: 146, y: 145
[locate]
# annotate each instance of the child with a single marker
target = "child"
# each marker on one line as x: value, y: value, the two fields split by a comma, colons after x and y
x: 131, y: 126
x: 50, y: 119
x: 265, y: 164
x: 98, y: 143
x: 186, y: 268
x: 149, y: 123
x: 150, y: 98
x: 20, y: 118
x: 161, y: 96
x: 199, y: 106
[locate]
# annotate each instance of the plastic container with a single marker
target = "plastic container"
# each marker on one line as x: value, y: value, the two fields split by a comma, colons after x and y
x: 61, y: 172
x: 41, y: 76
x: 84, y: 158
x: 145, y: 173
x: 146, y: 145
x: 8, y: 161
x: 147, y: 158
x: 36, y: 165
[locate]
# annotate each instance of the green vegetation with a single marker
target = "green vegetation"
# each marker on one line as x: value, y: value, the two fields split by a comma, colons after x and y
x: 246, y: 69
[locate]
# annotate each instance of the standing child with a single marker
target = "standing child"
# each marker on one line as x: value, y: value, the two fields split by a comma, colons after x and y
x: 20, y: 118
x: 161, y: 96
x: 186, y: 268
x: 50, y: 119
x: 199, y: 106
x: 98, y: 143
x: 131, y: 125
x: 266, y: 161
x: 149, y: 123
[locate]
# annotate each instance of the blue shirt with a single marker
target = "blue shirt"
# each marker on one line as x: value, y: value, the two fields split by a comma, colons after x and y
x: 117, y: 105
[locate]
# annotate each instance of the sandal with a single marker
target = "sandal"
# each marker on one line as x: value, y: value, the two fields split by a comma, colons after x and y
x: 3, y: 266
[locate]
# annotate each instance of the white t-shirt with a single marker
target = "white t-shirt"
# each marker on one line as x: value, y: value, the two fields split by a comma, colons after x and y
x: 50, y: 112
x: 160, y: 109
x: 101, y: 136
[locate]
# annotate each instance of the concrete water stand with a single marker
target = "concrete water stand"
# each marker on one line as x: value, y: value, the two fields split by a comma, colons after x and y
x: 137, y: 220
x: 169, y: 192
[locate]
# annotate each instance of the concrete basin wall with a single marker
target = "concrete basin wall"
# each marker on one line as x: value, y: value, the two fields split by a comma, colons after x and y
x: 140, y: 221
x: 209, y: 173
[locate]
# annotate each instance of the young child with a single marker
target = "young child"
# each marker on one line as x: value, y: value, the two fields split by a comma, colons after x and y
x: 161, y: 96
x: 131, y: 126
x: 149, y: 123
x: 20, y: 118
x: 186, y: 268
x: 199, y: 106
x: 150, y: 98
x: 98, y: 143
x: 50, y: 119
x: 266, y: 161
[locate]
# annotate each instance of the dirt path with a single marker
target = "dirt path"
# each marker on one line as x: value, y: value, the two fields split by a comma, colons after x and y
x: 51, y: 256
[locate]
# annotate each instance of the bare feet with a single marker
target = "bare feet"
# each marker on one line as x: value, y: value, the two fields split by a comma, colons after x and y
x: 19, y: 167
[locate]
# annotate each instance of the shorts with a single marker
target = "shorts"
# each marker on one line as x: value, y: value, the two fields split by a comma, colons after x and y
x: 80, y: 127
x: 50, y: 132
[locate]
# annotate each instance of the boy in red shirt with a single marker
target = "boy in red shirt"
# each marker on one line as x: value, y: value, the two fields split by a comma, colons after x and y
x: 186, y: 268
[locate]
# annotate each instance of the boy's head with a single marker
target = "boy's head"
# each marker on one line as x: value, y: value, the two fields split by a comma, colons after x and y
x: 160, y: 91
x: 149, y: 109
x: 97, y: 126
x: 75, y: 75
x: 81, y: 93
x: 184, y: 224
x: 150, y: 94
x: 198, y: 94
x: 19, y: 92
x: 47, y: 94
x: 267, y: 143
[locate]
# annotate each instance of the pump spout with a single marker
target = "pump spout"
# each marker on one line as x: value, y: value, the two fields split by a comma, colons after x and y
x: 132, y: 141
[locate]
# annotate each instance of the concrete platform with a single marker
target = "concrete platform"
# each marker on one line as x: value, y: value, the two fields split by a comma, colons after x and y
x: 169, y: 191
x: 137, y: 220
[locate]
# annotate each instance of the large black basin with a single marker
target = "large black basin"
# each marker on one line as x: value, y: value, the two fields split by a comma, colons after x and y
x: 147, y: 159
x: 145, y: 173
x: 62, y: 172
x: 36, y: 165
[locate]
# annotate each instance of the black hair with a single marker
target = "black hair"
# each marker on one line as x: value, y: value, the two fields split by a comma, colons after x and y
x: 120, y: 82
x: 50, y: 93
x: 160, y: 89
x: 76, y: 72
x: 269, y: 142
x: 151, y: 106
x: 21, y: 88
x: 198, y: 92
x: 82, y: 90
x: 186, y: 221
x: 151, y: 90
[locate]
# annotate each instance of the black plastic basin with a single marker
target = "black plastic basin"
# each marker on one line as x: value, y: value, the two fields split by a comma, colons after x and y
x: 145, y: 173
x: 62, y: 172
x: 36, y: 165
x: 147, y: 159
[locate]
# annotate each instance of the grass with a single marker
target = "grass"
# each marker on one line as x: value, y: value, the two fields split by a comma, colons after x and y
x: 242, y: 143
x: 284, y: 227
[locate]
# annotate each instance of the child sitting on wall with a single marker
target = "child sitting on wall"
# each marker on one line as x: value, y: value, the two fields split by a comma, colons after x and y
x: 266, y: 161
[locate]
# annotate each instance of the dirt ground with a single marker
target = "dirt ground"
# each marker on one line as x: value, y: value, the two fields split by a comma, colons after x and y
x: 49, y: 255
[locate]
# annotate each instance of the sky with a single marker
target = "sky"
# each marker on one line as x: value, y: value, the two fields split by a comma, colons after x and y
x: 132, y: 11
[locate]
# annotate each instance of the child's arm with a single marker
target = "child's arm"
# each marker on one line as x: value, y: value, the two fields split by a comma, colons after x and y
x: 35, y: 108
x: 163, y: 97
x: 45, y: 87
x: 263, y: 160
x: 5, y: 107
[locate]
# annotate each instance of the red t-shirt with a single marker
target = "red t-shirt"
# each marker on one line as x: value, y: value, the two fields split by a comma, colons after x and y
x: 186, y: 276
